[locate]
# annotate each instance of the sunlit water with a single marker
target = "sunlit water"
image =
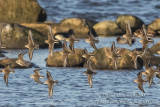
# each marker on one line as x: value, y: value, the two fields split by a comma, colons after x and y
x: 110, y: 87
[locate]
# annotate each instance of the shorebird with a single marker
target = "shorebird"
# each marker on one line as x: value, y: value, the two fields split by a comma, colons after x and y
x: 20, y: 60
x: 129, y: 35
x: 91, y: 40
x: 140, y: 81
x: 146, y: 40
x: 31, y: 46
x: 66, y: 52
x: 71, y: 40
x: 149, y: 73
x: 87, y: 55
x: 113, y: 55
x: 36, y: 76
x: 51, y: 41
x: 7, y: 70
x: 50, y: 83
x: 89, y: 72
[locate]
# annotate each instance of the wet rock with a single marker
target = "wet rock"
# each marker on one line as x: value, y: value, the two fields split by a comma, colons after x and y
x: 16, y: 36
x: 155, y: 26
x: 107, y: 28
x: 74, y: 60
x: 155, y: 48
x: 12, y: 62
x: 134, y: 21
x: 101, y: 61
x: 21, y: 11
x: 44, y: 29
x: 77, y: 25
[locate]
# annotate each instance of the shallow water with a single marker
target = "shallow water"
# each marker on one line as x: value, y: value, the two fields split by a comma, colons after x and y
x: 110, y: 87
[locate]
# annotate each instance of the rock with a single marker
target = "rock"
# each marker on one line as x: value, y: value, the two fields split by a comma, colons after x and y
x: 155, y: 26
x: 41, y: 27
x: 77, y: 25
x: 107, y: 28
x: 101, y: 61
x: 16, y: 36
x: 74, y: 60
x: 44, y: 29
x: 12, y: 62
x: 155, y: 48
x: 135, y: 22
x: 21, y: 11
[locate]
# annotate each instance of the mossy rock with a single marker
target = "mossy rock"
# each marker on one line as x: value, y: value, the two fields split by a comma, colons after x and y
x: 134, y: 21
x: 74, y: 60
x: 21, y: 11
x: 107, y: 28
x: 77, y: 25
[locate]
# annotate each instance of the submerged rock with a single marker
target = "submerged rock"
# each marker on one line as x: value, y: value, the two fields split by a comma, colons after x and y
x: 21, y: 11
x: 107, y: 28
x: 77, y: 25
x: 134, y: 21
x: 74, y: 60
x: 16, y: 36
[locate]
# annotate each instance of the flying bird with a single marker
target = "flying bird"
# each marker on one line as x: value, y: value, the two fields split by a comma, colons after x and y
x: 36, y: 76
x: 51, y: 41
x: 7, y: 70
x: 31, y: 46
x: 50, y: 83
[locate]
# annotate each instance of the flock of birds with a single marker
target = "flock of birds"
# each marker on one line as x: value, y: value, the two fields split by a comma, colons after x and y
x: 128, y: 38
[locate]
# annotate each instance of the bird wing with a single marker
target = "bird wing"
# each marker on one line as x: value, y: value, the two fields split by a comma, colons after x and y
x: 128, y: 28
x: 65, y: 61
x: 93, y: 45
x: 49, y: 77
x: 52, y: 36
x: 90, y: 80
x: 50, y: 90
x: 51, y: 49
x: 144, y: 31
x: 115, y: 64
x: 20, y: 56
x: 30, y: 53
x: 71, y: 46
x: 113, y: 46
x: 6, y: 74
x: 140, y: 86
x: 30, y: 38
